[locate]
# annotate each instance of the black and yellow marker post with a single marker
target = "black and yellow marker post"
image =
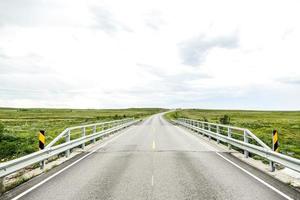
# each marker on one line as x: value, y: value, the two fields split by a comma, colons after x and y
x: 42, y: 140
x: 275, y: 147
x: 275, y: 141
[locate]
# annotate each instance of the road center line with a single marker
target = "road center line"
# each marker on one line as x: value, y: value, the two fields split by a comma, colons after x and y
x: 255, y: 177
x: 152, y: 180
x: 153, y: 145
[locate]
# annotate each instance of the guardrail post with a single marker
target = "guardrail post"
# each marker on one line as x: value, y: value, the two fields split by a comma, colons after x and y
x: 246, y: 153
x: 218, y: 131
x: 194, y: 124
x: 209, y: 137
x: 229, y: 135
x: 94, y: 131
x: 109, y: 125
x: 42, y: 164
x: 2, y: 186
x: 83, y: 134
x: 68, y: 137
x: 272, y: 167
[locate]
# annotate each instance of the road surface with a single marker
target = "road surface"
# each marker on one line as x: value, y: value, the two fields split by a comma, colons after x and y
x: 155, y: 160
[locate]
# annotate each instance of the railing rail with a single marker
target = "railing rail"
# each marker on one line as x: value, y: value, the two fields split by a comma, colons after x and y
x: 95, y: 125
x: 262, y: 149
x: 51, y: 149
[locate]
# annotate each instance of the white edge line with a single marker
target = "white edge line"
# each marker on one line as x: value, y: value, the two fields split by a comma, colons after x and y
x: 247, y: 172
x: 67, y: 167
x: 255, y: 177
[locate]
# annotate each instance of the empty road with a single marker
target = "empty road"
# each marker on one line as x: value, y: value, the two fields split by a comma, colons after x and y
x: 156, y: 160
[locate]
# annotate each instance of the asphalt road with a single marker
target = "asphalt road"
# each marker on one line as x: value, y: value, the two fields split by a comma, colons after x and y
x: 154, y: 160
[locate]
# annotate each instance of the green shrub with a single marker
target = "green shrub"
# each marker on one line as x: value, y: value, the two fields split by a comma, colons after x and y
x: 225, y: 119
x: 2, y: 128
x: 8, y: 149
x: 204, y: 119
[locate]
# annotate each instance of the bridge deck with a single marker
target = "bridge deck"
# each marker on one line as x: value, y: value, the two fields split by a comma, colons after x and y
x: 156, y: 160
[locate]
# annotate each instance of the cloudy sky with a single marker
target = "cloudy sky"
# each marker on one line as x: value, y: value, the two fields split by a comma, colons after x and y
x: 116, y: 54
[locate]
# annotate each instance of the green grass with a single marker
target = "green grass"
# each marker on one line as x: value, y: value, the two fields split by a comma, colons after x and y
x: 19, y: 127
x: 261, y: 123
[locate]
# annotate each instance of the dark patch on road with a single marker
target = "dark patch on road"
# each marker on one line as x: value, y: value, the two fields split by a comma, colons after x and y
x: 201, y: 185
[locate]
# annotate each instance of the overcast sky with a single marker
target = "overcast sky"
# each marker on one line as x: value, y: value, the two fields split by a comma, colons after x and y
x: 158, y: 53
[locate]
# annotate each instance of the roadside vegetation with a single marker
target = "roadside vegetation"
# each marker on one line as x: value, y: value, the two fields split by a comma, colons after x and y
x: 261, y: 123
x: 19, y: 128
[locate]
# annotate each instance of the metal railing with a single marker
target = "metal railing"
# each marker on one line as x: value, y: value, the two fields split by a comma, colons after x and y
x: 241, y: 138
x: 70, y: 138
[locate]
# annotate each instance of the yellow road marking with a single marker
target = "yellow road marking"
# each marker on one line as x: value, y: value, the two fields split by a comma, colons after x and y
x: 153, y: 145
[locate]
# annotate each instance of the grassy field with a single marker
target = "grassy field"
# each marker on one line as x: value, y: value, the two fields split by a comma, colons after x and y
x: 261, y: 123
x: 19, y: 127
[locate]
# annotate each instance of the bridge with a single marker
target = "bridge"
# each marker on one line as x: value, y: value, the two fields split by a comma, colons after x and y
x: 153, y: 159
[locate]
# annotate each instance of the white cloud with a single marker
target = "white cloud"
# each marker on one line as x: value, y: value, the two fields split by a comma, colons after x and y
x: 209, y: 54
x: 195, y: 50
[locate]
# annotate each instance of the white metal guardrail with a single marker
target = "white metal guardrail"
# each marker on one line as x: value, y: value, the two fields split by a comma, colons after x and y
x: 64, y: 142
x: 241, y: 138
